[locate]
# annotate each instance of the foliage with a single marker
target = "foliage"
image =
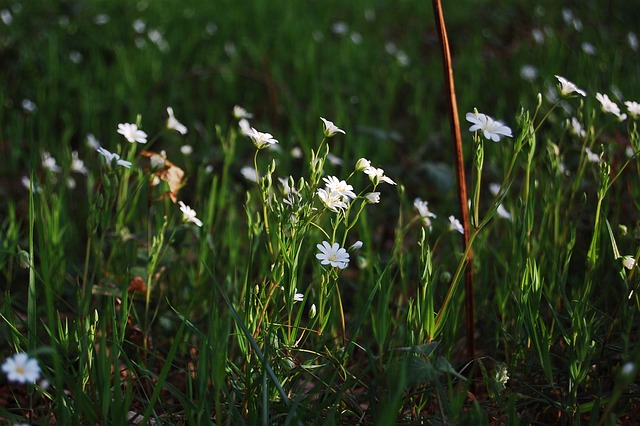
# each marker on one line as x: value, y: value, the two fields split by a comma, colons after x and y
x: 190, y: 276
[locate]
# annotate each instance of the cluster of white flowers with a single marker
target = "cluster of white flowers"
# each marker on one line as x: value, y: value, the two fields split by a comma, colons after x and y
x: 376, y: 174
x: 569, y: 89
x: 337, y: 194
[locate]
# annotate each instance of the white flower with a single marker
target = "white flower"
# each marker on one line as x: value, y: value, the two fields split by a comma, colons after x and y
x: 296, y: 152
x: 528, y: 72
x: 139, y: 26
x: 609, y: 106
x: 567, y: 88
x: 158, y: 161
x: 245, y: 127
x: 71, y: 182
x: 628, y: 370
x: 174, y: 124
x: 538, y: 35
x: 402, y: 58
x: 186, y: 149
x: 503, y: 212
x: 22, y: 369
x: 6, y: 17
x: 77, y: 165
x: 249, y: 173
x: 629, y: 261
x: 333, y: 255
x: 49, y: 163
x: 633, y: 108
x: 334, y: 160
x: 455, y: 225
x: 372, y: 197
x: 312, y: 311
x: 29, y: 106
x: 101, y: 19
x: 576, y: 128
x: 376, y: 175
x: 261, y: 140
x: 297, y: 297
x: 75, y: 57
x: 588, y: 48
x: 492, y: 129
x: 240, y: 113
x: 26, y: 182
x: 156, y: 37
x: 332, y: 200
x: 286, y: 188
x: 110, y: 157
x: 423, y: 210
x: 92, y: 142
x: 629, y: 151
x: 501, y: 374
x: 331, y: 129
x: 355, y: 246
x: 340, y: 28
x: 291, y: 194
x: 592, y: 156
x: 494, y: 188
x: 132, y: 133
x: 188, y: 214
x: 362, y: 164
x: 336, y: 194
x: 341, y: 187
x: 632, y: 39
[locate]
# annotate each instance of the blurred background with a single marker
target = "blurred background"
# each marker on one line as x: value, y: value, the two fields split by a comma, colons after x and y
x: 73, y: 68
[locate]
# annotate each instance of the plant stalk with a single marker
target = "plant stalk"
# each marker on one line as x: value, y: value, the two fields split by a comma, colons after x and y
x: 462, y: 187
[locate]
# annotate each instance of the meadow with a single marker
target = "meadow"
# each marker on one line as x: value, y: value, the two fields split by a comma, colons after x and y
x: 222, y: 212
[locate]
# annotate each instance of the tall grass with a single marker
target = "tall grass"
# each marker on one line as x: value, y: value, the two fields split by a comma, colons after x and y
x: 136, y: 314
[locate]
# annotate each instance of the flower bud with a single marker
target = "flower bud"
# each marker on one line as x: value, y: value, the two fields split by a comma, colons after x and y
x: 356, y: 246
x: 372, y: 197
x: 362, y: 164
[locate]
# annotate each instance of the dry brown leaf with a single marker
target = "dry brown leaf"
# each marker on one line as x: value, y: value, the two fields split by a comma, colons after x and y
x: 169, y: 173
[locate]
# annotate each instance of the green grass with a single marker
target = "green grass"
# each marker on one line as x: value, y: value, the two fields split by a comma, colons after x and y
x: 136, y: 316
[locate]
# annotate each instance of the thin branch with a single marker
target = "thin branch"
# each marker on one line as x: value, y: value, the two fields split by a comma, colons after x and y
x: 462, y: 186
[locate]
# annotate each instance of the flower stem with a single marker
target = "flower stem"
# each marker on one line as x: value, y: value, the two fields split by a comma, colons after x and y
x: 264, y: 205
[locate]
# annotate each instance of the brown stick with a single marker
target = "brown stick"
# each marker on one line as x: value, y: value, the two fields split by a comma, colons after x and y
x: 462, y: 186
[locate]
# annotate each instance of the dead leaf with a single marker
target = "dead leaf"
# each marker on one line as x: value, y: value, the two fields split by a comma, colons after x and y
x: 168, y: 172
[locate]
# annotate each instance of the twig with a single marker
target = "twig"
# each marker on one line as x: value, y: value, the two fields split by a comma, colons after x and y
x: 462, y: 187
